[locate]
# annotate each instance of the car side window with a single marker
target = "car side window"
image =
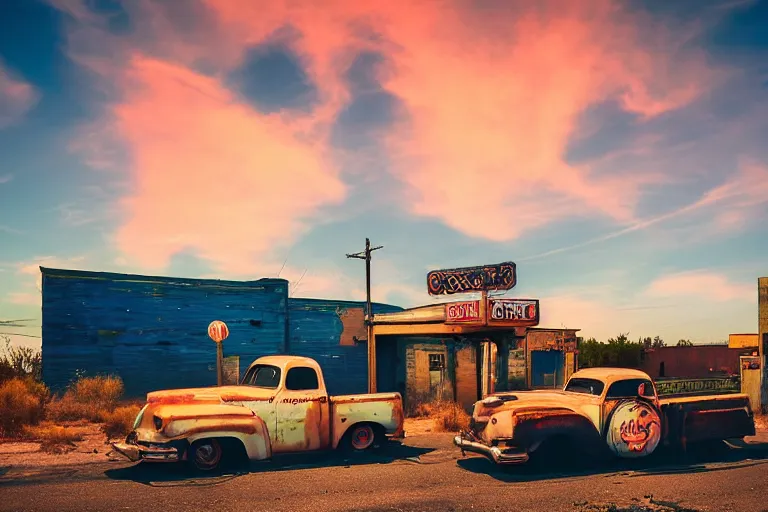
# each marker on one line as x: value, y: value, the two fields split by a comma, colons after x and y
x: 630, y: 388
x: 301, y: 378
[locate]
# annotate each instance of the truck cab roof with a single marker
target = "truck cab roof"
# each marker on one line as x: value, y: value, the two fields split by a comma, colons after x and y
x: 609, y: 375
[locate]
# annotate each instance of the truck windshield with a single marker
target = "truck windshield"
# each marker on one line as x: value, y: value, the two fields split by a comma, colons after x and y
x: 589, y: 386
x: 262, y: 376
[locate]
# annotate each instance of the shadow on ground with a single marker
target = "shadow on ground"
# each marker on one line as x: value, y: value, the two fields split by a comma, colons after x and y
x: 712, y: 457
x: 170, y: 475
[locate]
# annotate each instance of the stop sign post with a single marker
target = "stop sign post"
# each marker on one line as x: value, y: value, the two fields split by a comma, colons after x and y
x: 218, y: 332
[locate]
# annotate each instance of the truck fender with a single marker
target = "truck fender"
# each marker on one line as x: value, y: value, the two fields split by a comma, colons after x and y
x: 206, y: 421
x: 533, y: 428
x: 257, y: 446
x: 633, y: 428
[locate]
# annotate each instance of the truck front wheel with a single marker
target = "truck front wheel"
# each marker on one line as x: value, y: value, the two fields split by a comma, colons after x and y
x: 205, y: 454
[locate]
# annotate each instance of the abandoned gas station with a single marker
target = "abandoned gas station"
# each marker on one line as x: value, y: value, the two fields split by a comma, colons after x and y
x: 463, y: 350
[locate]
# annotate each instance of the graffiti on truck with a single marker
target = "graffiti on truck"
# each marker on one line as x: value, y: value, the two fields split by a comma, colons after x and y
x: 635, y: 429
x: 680, y: 387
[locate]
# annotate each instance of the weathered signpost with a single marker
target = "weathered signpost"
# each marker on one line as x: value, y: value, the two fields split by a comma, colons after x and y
x: 495, y: 312
x: 218, y: 332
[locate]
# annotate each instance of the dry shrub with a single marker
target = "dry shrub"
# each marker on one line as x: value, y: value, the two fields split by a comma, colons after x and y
x: 449, y: 416
x: 54, y: 438
x: 22, y: 402
x: 88, y: 398
x: 761, y: 421
x: 119, y: 422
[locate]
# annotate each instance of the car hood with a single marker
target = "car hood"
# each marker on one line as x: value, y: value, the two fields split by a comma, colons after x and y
x: 213, y: 394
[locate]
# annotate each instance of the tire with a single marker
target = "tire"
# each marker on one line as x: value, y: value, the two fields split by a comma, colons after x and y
x: 361, y: 437
x: 205, y: 455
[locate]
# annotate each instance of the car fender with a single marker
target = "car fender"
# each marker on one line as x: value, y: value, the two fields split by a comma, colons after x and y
x: 201, y: 421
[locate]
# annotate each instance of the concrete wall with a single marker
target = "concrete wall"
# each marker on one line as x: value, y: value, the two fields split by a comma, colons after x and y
x: 694, y: 362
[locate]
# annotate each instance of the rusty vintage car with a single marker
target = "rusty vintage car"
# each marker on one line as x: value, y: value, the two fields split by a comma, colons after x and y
x: 280, y: 407
x: 604, y: 413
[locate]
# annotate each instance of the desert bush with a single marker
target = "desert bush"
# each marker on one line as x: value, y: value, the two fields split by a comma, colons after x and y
x: 119, y: 422
x: 54, y: 438
x: 449, y: 416
x: 23, y: 402
x: 88, y: 398
x: 19, y: 361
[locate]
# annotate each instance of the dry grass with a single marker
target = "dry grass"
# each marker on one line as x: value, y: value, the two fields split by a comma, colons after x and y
x: 89, y: 398
x: 448, y: 416
x: 22, y: 401
x: 54, y: 438
x: 119, y: 422
x: 761, y: 421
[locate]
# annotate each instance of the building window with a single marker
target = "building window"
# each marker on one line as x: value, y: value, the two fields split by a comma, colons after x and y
x: 436, y: 362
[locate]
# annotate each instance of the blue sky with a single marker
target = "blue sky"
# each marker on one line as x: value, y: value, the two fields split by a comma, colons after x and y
x: 627, y: 175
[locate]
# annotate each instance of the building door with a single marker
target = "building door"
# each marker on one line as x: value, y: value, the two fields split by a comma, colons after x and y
x: 546, y: 368
x: 750, y: 380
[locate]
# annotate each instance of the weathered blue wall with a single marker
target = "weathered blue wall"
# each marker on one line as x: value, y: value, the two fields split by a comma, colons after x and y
x: 315, y: 327
x: 152, y: 331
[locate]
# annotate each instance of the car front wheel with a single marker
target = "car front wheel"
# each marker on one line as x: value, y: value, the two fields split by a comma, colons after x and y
x: 205, y: 454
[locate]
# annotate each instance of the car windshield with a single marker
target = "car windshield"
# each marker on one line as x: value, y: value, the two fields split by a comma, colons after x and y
x: 589, y: 386
x: 262, y: 376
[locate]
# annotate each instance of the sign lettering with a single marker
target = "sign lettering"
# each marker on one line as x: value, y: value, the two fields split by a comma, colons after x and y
x: 519, y: 312
x: 502, y: 276
x: 459, y: 312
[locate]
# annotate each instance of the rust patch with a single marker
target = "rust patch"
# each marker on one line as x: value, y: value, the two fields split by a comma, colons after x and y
x: 245, y: 398
x: 177, y: 399
x: 240, y: 428
x: 366, y: 400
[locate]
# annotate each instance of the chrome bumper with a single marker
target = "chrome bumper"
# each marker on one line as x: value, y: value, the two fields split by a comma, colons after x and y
x: 493, y: 453
x: 135, y: 452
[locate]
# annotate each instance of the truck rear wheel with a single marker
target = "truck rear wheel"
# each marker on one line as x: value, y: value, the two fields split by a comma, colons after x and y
x: 361, y: 437
x: 205, y: 454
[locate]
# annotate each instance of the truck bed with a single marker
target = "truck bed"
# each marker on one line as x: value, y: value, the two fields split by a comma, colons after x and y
x: 705, y: 418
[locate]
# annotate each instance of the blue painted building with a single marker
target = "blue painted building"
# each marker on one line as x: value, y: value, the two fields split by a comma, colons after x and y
x: 152, y: 331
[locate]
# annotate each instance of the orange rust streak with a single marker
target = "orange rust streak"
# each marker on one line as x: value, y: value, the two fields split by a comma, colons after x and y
x: 241, y: 428
x: 244, y: 398
x: 171, y: 399
x: 182, y: 417
x: 365, y: 400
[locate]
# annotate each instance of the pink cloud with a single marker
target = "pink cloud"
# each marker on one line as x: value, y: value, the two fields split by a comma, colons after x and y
x: 491, y: 98
x: 17, y: 97
x: 704, y: 284
x: 210, y: 173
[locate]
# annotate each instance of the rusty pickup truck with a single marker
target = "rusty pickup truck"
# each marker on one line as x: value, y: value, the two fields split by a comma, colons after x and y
x: 281, y: 406
x: 602, y: 412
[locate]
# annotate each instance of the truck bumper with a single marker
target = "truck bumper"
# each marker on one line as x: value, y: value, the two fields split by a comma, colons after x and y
x: 135, y: 452
x: 493, y: 453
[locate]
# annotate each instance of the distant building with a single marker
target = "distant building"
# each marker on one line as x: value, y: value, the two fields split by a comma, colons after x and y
x: 152, y: 331
x: 697, y: 361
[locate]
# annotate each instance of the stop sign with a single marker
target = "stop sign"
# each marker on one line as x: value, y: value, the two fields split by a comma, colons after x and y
x: 218, y: 331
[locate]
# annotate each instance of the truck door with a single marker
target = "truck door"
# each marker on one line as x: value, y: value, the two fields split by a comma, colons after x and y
x: 303, y: 420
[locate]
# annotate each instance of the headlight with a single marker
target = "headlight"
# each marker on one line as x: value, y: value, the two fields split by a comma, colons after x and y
x: 139, y: 416
x: 158, y: 422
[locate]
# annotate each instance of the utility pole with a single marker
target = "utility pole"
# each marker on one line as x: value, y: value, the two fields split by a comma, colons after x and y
x: 366, y: 255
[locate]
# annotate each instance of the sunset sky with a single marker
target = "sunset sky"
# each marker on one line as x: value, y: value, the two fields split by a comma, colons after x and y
x: 616, y: 151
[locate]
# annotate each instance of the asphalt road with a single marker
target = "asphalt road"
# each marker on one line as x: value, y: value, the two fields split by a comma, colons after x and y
x: 427, y: 473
